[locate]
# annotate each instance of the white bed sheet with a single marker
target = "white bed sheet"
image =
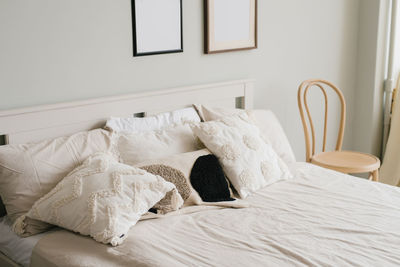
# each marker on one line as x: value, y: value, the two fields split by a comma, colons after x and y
x: 16, y: 248
x: 320, y: 218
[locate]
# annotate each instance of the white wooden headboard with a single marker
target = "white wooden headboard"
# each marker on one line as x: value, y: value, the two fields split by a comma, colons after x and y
x: 42, y: 122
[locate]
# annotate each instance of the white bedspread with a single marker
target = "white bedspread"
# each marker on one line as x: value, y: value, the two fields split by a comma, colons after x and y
x: 320, y: 218
x: 16, y: 248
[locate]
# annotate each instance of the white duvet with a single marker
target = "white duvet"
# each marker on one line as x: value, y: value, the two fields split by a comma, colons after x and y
x: 320, y: 218
x: 14, y: 247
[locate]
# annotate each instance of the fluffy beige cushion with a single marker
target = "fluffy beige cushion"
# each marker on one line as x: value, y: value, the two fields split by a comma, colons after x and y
x: 29, y: 171
x: 103, y: 198
x: 247, y: 160
x: 171, y: 175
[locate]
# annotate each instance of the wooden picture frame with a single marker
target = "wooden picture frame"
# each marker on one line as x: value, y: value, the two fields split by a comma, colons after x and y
x: 157, y: 27
x: 230, y: 25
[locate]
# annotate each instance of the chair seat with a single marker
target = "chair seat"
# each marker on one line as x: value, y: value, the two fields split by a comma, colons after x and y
x: 347, y: 161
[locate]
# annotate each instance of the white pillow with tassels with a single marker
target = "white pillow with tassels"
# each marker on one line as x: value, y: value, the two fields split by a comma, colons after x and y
x: 102, y: 198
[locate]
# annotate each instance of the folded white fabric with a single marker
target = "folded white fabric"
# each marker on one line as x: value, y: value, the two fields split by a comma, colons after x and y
x: 103, y: 198
x: 157, y: 122
x: 247, y: 160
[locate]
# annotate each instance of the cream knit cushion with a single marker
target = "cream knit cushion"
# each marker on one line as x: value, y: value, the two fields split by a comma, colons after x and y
x: 103, y: 198
x: 247, y: 160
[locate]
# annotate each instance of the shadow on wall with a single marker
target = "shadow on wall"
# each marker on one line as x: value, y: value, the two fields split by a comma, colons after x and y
x: 2, y: 140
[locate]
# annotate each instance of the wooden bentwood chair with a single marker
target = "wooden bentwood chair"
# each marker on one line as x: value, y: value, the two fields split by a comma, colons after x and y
x: 342, y: 161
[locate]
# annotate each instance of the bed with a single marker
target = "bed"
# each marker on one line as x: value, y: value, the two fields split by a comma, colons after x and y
x: 318, y: 218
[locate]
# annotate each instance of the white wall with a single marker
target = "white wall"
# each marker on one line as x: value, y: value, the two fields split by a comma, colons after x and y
x: 372, y: 68
x: 396, y: 67
x: 54, y: 51
x: 307, y: 39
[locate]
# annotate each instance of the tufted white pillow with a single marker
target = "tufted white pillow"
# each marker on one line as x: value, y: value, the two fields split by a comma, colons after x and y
x: 270, y: 128
x: 247, y: 160
x: 103, y: 198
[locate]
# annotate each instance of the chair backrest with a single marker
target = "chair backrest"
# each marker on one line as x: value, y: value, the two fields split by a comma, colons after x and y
x: 303, y: 105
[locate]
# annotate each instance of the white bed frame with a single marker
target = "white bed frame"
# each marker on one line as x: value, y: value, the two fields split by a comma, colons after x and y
x: 49, y: 121
x: 41, y: 122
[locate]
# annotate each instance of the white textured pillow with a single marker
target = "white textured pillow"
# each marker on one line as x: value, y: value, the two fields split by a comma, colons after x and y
x: 137, y: 147
x: 208, y: 113
x: 247, y: 160
x: 29, y: 171
x: 103, y: 198
x: 270, y: 128
x: 273, y: 133
x: 157, y: 122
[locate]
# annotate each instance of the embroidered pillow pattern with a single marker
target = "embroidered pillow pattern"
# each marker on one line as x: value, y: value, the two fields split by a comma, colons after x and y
x: 103, y: 199
x: 248, y: 161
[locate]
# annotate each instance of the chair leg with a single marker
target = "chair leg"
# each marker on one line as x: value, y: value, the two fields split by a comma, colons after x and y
x: 374, y: 176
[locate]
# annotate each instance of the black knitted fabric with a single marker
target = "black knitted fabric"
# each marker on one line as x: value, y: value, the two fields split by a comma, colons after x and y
x: 208, y: 179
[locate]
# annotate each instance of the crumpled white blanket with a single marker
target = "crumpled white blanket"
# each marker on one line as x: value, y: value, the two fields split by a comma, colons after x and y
x: 320, y: 218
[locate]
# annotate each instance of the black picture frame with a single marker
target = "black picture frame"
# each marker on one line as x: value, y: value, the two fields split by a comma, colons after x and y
x: 136, y: 52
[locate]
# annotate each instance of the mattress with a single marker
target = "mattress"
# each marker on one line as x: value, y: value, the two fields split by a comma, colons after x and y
x: 14, y: 247
x: 319, y: 218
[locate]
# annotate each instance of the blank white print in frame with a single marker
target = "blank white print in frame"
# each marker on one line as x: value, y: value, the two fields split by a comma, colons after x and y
x: 232, y: 24
x: 158, y: 26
